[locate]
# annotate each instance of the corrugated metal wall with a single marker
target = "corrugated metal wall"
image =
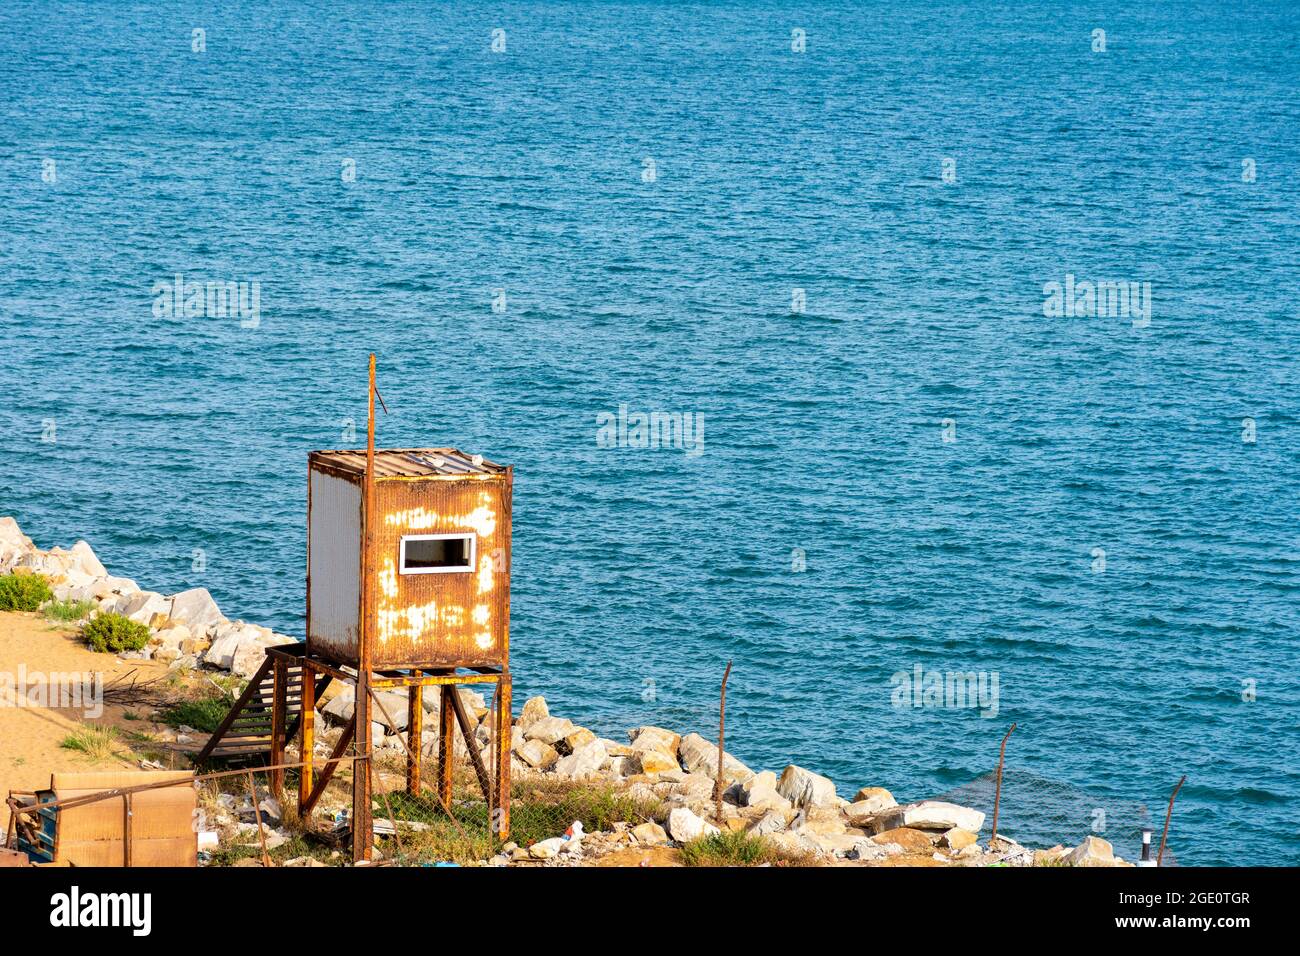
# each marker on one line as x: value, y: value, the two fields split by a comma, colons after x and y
x: 455, y: 618
x: 334, y: 567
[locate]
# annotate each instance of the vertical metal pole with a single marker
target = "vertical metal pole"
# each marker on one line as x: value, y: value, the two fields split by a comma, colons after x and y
x: 446, y: 744
x: 306, y: 735
x: 503, y: 756
x: 1169, y: 813
x: 414, y: 732
x: 997, y: 793
x: 722, y: 742
x: 362, y: 835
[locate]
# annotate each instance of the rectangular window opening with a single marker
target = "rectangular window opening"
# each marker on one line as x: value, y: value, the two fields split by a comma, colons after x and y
x: 437, y: 553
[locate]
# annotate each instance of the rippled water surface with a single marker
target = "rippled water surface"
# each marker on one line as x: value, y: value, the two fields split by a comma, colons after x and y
x: 639, y: 573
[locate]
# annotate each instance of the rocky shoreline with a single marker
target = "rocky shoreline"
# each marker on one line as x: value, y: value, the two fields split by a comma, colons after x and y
x: 796, y: 811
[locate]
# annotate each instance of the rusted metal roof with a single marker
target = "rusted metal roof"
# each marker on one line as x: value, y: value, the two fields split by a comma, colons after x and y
x: 410, y: 462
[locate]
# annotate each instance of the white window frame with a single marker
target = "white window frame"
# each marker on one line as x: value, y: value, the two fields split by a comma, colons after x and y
x: 468, y: 569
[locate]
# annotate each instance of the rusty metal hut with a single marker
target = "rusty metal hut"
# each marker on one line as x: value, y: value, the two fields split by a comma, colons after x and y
x: 408, y: 587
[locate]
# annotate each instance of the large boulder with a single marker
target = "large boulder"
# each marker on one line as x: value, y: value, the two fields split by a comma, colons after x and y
x: 172, y: 637
x: 111, y: 588
x: 910, y: 839
x: 536, y: 754
x: 937, y: 815
x: 697, y: 755
x: 550, y: 730
x: 656, y: 738
x: 760, y: 792
x: 249, y: 657
x: 12, y: 535
x: 585, y: 761
x: 959, y: 839
x: 580, y: 737
x: 340, y: 707
x: 240, y: 648
x: 534, y: 710
x: 86, y: 562
x: 649, y: 834
x: 876, y: 798
x: 395, y: 703
x: 196, y: 609
x: 684, y: 826
x: 651, y: 761
x: 141, y: 606
x: 1093, y: 851
x: 804, y: 788
x: 774, y: 821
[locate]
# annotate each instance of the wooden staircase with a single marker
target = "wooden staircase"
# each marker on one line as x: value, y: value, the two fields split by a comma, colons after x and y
x: 246, y: 734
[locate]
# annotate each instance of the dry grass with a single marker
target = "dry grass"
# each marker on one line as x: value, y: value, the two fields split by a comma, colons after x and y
x: 98, y: 742
x: 738, y: 848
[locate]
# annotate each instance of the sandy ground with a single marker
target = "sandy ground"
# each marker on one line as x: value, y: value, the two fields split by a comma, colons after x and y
x: 30, y: 736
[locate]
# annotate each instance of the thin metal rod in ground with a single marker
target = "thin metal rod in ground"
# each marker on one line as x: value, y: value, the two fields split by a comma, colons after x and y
x: 997, y: 792
x: 257, y: 813
x: 1169, y: 813
x: 722, y: 741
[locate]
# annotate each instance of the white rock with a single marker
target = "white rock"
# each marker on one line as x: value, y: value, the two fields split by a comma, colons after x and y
x: 141, y: 606
x: 1093, y: 851
x: 803, y: 788
x: 772, y: 822
x: 649, y: 834
x: 868, y: 851
x: 654, y: 738
x: 534, y: 710
x: 395, y: 703
x: 549, y: 729
x: 247, y: 659
x: 545, y: 849
x: 86, y: 561
x: 111, y: 587
x: 684, y: 826
x: 699, y: 756
x: 196, y: 608
x: 172, y: 637
x: 341, y: 705
x: 937, y: 815
x: 12, y: 535
x: 585, y: 761
x: 537, y: 754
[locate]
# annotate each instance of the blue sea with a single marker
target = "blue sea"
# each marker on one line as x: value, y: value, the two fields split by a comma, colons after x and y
x: 828, y: 233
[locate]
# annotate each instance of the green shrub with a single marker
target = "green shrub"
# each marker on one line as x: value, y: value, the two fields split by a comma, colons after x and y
x: 23, y: 592
x: 204, y: 714
x: 114, y: 634
x: 68, y: 610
